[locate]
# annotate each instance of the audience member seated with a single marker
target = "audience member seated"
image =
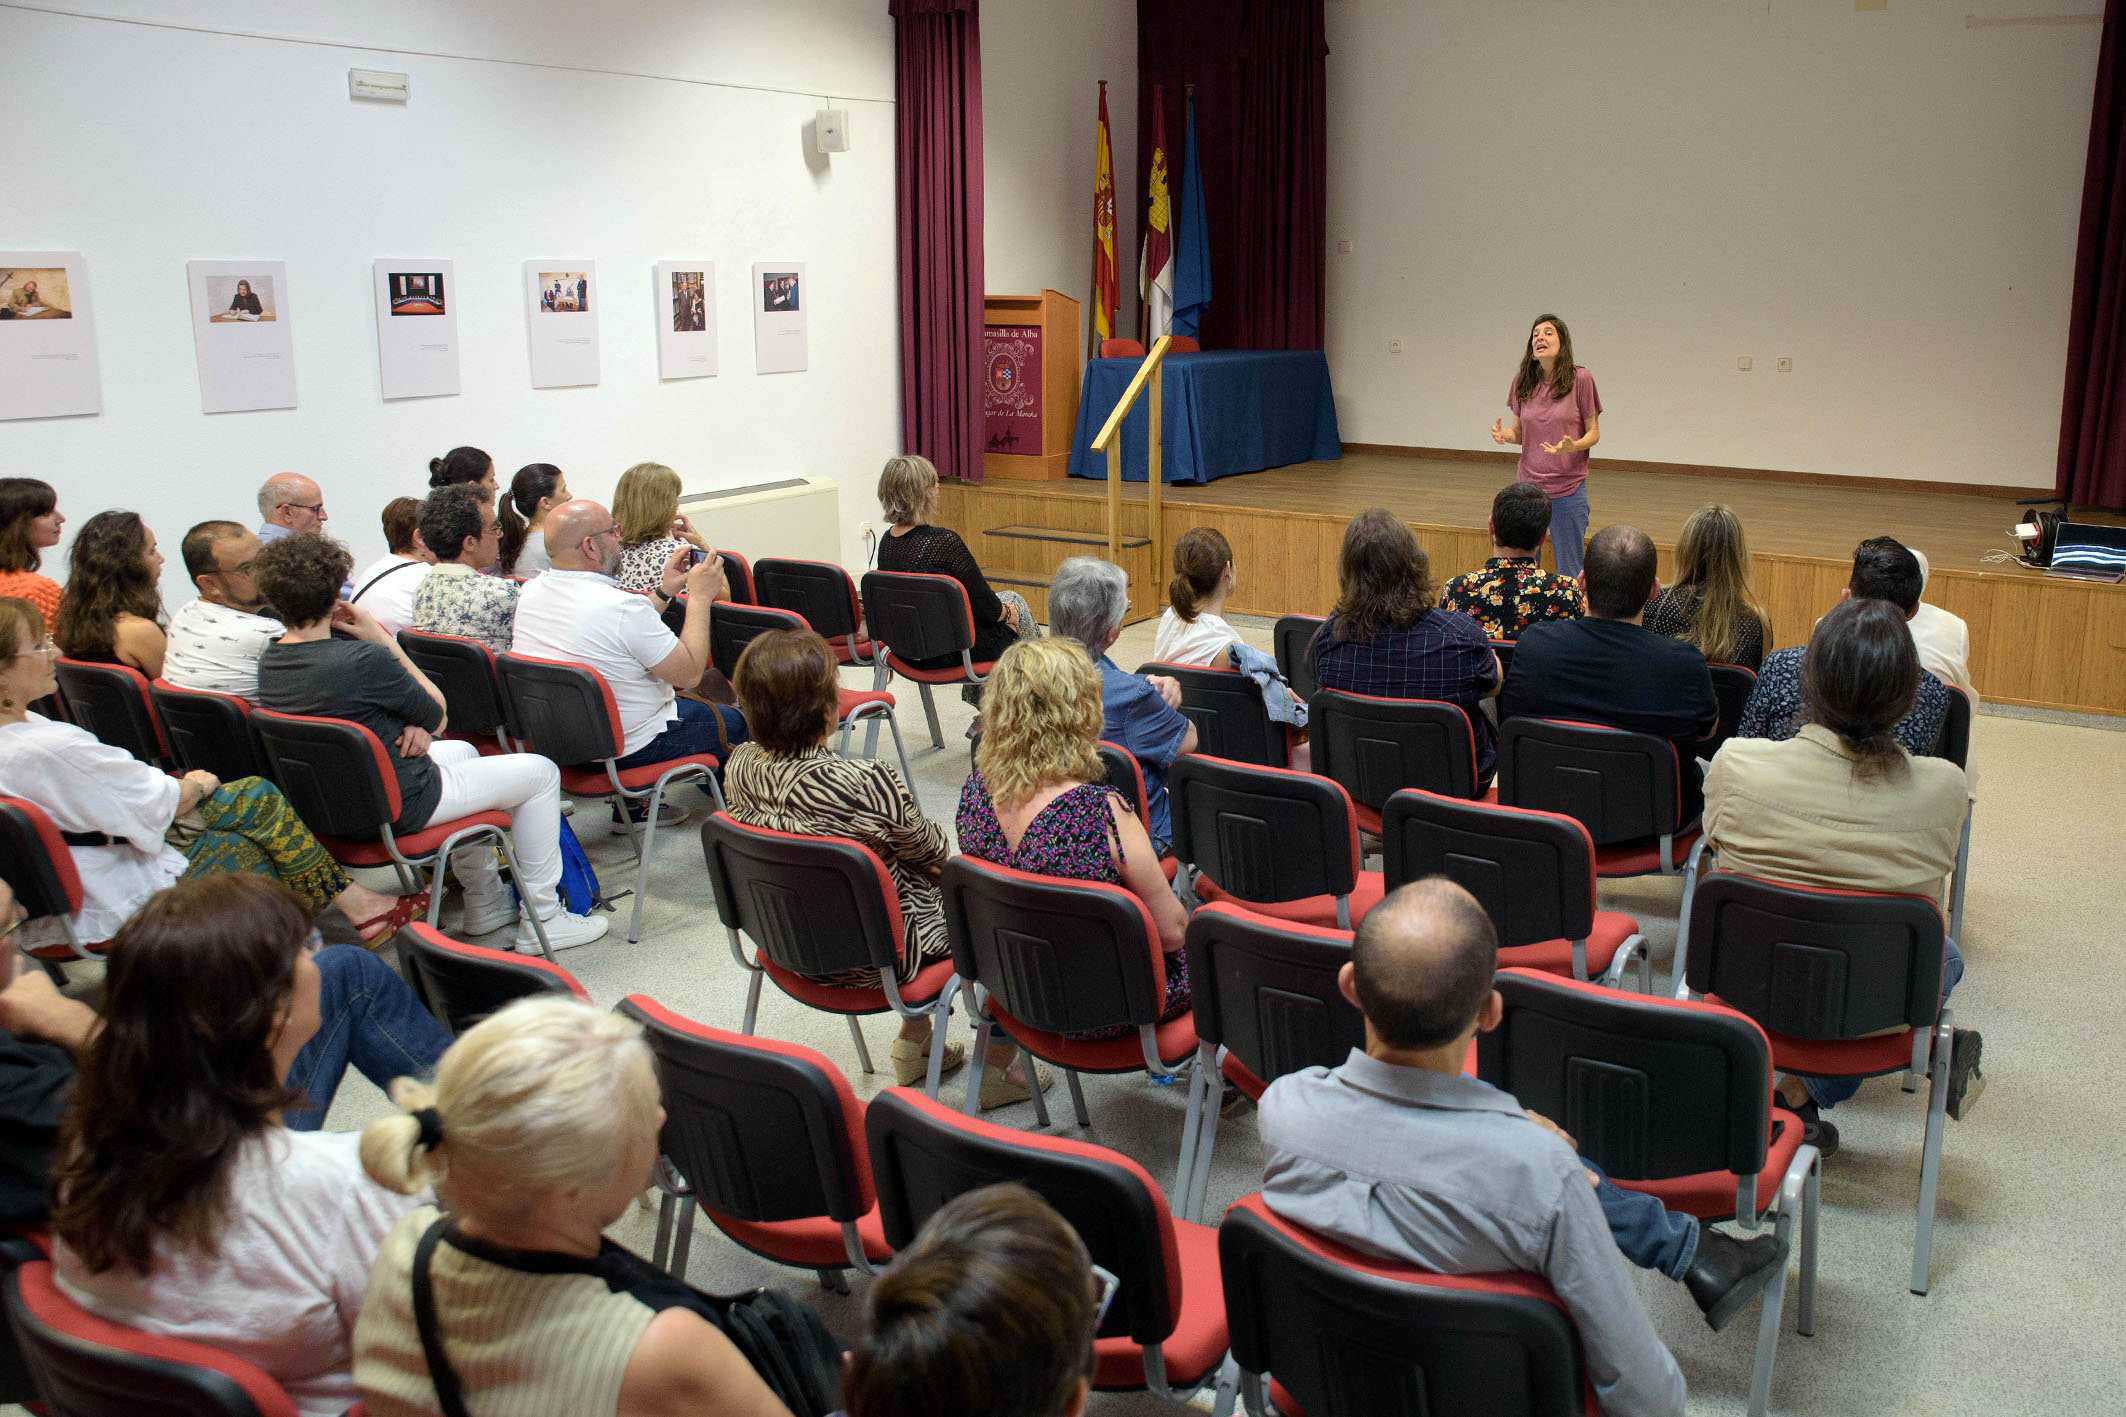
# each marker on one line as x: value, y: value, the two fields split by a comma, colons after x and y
x: 386, y: 587
x: 1511, y: 592
x: 1608, y: 668
x: 1087, y: 602
x: 1944, y: 639
x: 577, y: 612
x: 454, y: 598
x: 368, y: 679
x: 1843, y: 804
x: 652, y: 530
x: 30, y: 523
x: 1387, y: 636
x: 133, y: 829
x: 1883, y: 569
x: 787, y: 778
x: 1038, y: 799
x: 908, y: 495
x: 111, y: 611
x: 1711, y: 605
x: 181, y: 1203
x: 215, y: 641
x: 288, y: 503
x: 41, y: 1033
x: 539, y: 1133
x: 537, y: 489
x: 1192, y: 628
x: 990, y: 1309
x: 1398, y: 1153
x: 464, y: 467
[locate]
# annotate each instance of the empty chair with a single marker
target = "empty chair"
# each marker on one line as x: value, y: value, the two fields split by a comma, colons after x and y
x: 464, y: 670
x: 916, y: 616
x: 113, y: 702
x: 733, y: 627
x: 825, y: 594
x: 40, y: 871
x: 1625, y: 788
x: 1230, y: 717
x: 1278, y: 842
x: 208, y: 731
x: 1121, y: 349
x: 1291, y: 637
x: 462, y: 984
x: 738, y: 578
x: 1376, y: 746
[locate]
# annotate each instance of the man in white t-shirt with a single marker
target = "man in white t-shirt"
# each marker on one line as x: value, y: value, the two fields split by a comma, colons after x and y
x: 386, y: 588
x: 1943, y: 639
x: 215, y: 641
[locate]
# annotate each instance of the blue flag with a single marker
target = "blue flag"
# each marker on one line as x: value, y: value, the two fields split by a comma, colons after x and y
x: 1192, y: 243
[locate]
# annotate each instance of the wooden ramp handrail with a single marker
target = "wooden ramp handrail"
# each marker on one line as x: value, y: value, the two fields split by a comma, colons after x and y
x: 1109, y: 441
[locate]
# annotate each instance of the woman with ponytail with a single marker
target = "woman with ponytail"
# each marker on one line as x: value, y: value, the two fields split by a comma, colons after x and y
x: 537, y: 489
x: 539, y: 1132
x: 1193, y: 631
x: 463, y: 465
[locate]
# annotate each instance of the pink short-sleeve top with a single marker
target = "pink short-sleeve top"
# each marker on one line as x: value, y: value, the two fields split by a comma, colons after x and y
x: 1545, y: 418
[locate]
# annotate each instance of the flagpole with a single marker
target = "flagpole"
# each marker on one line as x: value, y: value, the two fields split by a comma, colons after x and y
x: 1092, y: 321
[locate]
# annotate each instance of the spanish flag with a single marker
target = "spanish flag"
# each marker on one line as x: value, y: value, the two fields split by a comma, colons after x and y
x: 1107, y: 286
x: 1155, y: 270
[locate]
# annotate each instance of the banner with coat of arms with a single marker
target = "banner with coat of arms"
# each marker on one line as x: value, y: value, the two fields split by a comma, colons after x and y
x: 1011, y: 389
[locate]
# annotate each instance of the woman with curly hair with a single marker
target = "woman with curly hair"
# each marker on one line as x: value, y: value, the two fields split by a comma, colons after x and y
x: 112, y: 609
x: 30, y: 523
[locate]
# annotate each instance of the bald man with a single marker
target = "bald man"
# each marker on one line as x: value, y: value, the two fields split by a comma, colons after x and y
x: 1398, y: 1153
x: 288, y: 503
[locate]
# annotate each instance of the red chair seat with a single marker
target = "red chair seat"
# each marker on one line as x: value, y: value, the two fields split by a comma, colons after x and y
x: 1170, y: 866
x: 592, y: 782
x: 1710, y: 1195
x: 1843, y: 1057
x: 850, y: 700
x: 61, y: 953
x: 372, y: 853
x: 813, y: 1242
x: 1199, y: 1339
x: 1240, y: 1075
x: 1643, y: 858
x: 1611, y: 930
x: 849, y: 649
x: 1369, y: 818
x: 1308, y: 910
x: 1175, y: 1040
x: 954, y: 675
x: 928, y: 983
x: 486, y: 744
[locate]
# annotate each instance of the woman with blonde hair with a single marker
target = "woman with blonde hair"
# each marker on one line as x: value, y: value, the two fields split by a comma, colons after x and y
x: 646, y: 513
x: 539, y: 1132
x: 1711, y: 605
x: 908, y: 495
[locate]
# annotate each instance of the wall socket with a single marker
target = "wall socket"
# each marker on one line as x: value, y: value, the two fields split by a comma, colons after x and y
x: 1744, y: 363
x: 1395, y: 346
x: 1343, y: 248
x: 1785, y: 364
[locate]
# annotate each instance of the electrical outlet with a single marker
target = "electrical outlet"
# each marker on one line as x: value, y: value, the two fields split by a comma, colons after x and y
x: 1744, y: 363
x: 1395, y: 346
x: 1343, y: 248
x: 1785, y: 364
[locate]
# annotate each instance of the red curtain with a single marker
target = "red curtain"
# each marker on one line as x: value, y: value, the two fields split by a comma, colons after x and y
x: 1260, y: 68
x: 2092, y: 467
x: 937, y: 125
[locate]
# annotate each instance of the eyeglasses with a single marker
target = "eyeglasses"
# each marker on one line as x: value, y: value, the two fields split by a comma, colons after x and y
x: 241, y: 570
x: 1106, y: 1283
x: 46, y: 648
x: 305, y: 506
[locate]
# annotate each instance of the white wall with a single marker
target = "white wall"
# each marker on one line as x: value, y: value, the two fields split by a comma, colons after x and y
x: 1890, y: 198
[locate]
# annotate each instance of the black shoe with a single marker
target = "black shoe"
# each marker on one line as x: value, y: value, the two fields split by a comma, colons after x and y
x: 1815, y: 1131
x: 1727, y: 1273
x: 1967, y: 1083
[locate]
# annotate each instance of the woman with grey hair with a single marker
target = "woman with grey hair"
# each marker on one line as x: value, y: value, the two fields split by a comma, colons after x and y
x: 908, y: 494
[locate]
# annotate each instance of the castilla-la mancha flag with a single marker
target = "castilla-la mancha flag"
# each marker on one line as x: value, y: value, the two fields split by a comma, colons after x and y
x: 1107, y: 284
x: 1155, y: 270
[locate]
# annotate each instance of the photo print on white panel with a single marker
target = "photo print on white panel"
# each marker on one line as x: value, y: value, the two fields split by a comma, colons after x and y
x: 561, y: 306
x: 417, y: 327
x: 780, y: 300
x: 243, y: 330
x: 47, y: 336
x: 683, y: 302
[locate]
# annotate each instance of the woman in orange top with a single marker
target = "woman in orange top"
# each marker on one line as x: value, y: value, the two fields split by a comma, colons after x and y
x: 29, y: 526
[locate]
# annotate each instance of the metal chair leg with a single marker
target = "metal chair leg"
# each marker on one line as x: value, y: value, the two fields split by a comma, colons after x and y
x: 900, y: 749
x: 1811, y: 1200
x: 977, y: 1059
x: 1963, y: 874
x: 863, y: 1053
x: 1077, y: 1097
x: 1191, y: 1124
x: 1768, y: 1327
x: 1930, y: 1154
x: 666, y: 1204
x: 930, y: 712
x: 834, y: 1281
x: 1033, y: 1085
x: 509, y: 859
x: 683, y: 1241
x: 753, y: 1001
x: 642, y: 873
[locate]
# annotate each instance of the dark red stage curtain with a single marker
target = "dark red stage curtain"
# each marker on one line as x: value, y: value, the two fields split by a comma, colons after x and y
x: 2092, y: 468
x: 937, y: 125
x: 1260, y: 68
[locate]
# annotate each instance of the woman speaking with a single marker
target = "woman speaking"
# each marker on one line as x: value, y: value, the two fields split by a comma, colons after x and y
x: 1556, y: 418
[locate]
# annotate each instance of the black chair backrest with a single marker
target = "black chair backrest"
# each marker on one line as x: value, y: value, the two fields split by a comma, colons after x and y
x: 462, y: 984
x: 737, y: 577
x: 1815, y: 964
x: 1732, y: 684
x: 1376, y: 746
x: 733, y: 627
x: 820, y: 591
x: 815, y: 905
x: 334, y: 772
x: 210, y: 732
x: 563, y: 711
x: 1955, y: 742
x: 1292, y: 638
x: 918, y: 616
x: 1621, y: 786
x: 1227, y: 709
x: 1504, y: 650
x: 51, y: 706
x: 1057, y: 955
x: 112, y: 702
x: 35, y: 862
x: 757, y: 1127
x: 464, y: 670
x: 1263, y: 834
x: 1533, y: 872
x: 1267, y: 991
x: 1649, y: 1087
x: 1344, y: 1338
x: 1126, y: 775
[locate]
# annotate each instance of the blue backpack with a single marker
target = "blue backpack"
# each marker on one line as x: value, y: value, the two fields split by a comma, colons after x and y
x: 579, y: 890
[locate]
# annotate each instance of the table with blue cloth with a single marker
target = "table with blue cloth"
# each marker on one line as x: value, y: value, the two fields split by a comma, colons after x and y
x: 1227, y: 411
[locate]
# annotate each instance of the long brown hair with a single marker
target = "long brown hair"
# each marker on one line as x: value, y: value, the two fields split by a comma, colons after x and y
x: 107, y: 576
x: 22, y: 501
x: 1859, y: 676
x: 181, y: 1073
x: 533, y: 483
x: 1384, y: 578
x: 1712, y: 575
x: 1531, y: 373
x: 1200, y: 559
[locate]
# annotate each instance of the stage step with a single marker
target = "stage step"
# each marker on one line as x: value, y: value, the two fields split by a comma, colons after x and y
x: 1071, y: 538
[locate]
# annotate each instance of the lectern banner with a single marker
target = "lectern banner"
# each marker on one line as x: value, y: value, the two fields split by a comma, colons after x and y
x: 1011, y: 389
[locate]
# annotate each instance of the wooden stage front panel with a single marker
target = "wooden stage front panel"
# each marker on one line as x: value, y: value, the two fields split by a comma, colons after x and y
x: 2043, y: 641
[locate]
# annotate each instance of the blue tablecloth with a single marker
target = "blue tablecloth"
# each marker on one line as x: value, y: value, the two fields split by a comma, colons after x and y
x: 1226, y: 411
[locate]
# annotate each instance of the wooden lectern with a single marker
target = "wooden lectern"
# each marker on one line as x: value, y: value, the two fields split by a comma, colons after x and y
x: 1030, y: 366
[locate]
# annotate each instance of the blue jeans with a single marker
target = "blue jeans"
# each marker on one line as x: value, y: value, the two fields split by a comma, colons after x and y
x: 1829, y: 1092
x: 1647, y: 1232
x: 702, y: 728
x: 1568, y: 529
x: 370, y: 1018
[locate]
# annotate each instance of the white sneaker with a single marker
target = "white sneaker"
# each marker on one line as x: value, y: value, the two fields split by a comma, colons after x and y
x: 485, y: 919
x: 669, y: 814
x: 564, y: 931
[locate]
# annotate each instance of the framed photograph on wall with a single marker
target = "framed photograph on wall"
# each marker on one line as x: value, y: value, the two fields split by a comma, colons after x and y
x: 780, y: 299
x: 684, y: 306
x: 562, y: 305
x: 243, y: 331
x: 416, y: 327
x: 47, y: 336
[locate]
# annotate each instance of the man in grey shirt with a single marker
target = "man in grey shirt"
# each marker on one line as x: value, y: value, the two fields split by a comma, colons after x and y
x: 1398, y: 1154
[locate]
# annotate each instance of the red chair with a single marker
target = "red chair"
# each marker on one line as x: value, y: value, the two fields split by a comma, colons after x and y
x: 339, y: 779
x: 738, y: 578
x: 1121, y: 349
x: 566, y: 712
x: 40, y: 870
x: 461, y: 984
x: 1231, y: 719
x: 209, y: 732
x: 1293, y: 637
x: 1625, y: 788
x: 1534, y: 874
x: 1955, y: 745
x: 1346, y: 1333
x: 1376, y: 746
x: 112, y: 702
x: 817, y: 906
x: 825, y: 594
x: 768, y: 1140
x: 1165, y: 1331
x: 86, y: 1366
x: 1126, y: 775
x: 914, y: 617
x: 1184, y: 344
x: 464, y: 670
x: 1278, y: 842
x: 1045, y: 958
x: 1732, y: 684
x: 733, y: 627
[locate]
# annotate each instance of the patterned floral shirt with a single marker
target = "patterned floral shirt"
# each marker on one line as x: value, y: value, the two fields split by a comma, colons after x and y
x: 642, y: 565
x: 1511, y: 593
x: 457, y: 600
x: 1774, y: 709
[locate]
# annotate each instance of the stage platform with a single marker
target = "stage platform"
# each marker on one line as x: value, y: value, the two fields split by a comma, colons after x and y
x: 2037, y: 640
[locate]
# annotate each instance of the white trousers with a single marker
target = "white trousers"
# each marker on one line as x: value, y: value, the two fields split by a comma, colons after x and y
x: 526, y: 786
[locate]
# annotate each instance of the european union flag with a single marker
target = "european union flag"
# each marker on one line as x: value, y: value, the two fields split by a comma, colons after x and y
x: 1192, y: 243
